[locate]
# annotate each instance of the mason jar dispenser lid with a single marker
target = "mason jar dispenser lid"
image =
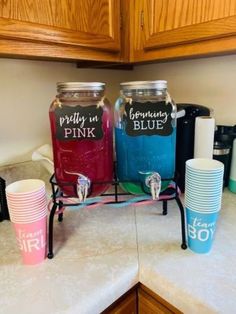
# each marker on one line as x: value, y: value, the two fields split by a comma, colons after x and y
x: 160, y: 85
x: 76, y: 86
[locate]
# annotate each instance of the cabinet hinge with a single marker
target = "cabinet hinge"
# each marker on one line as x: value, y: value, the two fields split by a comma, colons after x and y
x: 142, y: 19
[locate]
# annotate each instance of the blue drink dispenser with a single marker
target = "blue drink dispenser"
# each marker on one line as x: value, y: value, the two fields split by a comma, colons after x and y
x: 145, y: 134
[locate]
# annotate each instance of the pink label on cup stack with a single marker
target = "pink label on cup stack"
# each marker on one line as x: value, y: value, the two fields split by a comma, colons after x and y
x: 32, y: 240
x: 28, y: 212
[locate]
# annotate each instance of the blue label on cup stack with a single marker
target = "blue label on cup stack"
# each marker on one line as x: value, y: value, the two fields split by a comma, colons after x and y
x: 201, y: 228
x: 203, y: 195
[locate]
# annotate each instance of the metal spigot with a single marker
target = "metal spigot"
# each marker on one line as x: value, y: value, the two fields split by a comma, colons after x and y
x: 82, y: 186
x: 153, y: 181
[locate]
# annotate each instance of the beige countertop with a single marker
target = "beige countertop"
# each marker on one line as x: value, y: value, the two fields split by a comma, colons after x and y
x: 102, y: 252
x: 194, y: 283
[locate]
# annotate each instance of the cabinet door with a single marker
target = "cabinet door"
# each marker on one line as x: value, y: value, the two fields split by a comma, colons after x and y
x: 150, y: 303
x: 127, y: 304
x: 84, y: 23
x: 184, y: 27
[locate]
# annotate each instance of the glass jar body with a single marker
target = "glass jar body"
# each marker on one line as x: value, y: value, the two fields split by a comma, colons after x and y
x: 143, y: 150
x: 75, y: 117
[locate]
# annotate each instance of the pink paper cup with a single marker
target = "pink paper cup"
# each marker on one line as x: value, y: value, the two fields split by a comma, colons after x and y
x: 27, y: 219
x: 26, y: 202
x: 26, y: 197
x: 32, y: 240
x: 25, y: 188
x: 21, y: 208
x: 25, y: 214
x: 30, y: 212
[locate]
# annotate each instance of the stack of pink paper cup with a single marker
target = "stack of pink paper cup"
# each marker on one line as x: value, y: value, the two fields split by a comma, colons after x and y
x: 27, y: 205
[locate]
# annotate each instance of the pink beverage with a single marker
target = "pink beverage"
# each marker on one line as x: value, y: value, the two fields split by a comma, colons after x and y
x: 81, y: 128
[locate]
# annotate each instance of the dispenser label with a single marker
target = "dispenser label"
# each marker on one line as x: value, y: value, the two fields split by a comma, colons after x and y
x: 148, y: 118
x: 79, y: 123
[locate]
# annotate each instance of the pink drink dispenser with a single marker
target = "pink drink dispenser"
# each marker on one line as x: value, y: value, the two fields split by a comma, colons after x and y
x: 81, y: 128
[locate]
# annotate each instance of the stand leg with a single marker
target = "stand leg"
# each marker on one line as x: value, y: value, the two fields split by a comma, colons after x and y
x: 50, y: 232
x: 184, y: 244
x: 116, y: 193
x: 116, y: 184
x: 164, y: 207
x: 60, y: 216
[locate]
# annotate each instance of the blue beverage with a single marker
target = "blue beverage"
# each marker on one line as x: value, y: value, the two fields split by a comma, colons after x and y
x: 145, y: 136
x: 144, y: 154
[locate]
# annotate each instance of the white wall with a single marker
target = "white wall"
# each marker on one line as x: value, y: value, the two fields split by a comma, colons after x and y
x: 208, y: 81
x: 28, y: 87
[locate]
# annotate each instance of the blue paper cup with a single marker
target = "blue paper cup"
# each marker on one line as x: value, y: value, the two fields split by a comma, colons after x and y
x: 206, y: 201
x: 203, y: 174
x: 203, y: 165
x: 202, y: 208
x: 201, y: 228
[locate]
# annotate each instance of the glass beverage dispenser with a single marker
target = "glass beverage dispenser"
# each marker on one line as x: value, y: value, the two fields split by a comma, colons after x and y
x: 81, y: 127
x: 145, y: 133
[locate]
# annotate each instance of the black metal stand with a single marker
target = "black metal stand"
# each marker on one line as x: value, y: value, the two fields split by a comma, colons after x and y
x: 57, y: 194
x: 4, y: 213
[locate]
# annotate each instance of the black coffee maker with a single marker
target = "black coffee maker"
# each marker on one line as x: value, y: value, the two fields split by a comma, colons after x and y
x: 185, y: 137
x: 224, y: 137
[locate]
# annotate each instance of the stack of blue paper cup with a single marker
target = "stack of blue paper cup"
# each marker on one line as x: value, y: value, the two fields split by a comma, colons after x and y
x: 203, y: 195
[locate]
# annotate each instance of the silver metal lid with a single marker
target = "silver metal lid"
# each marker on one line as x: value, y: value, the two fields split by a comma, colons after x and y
x: 144, y: 85
x: 77, y: 86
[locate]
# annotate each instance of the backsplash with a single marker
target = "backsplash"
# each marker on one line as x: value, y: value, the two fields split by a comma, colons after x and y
x: 206, y: 81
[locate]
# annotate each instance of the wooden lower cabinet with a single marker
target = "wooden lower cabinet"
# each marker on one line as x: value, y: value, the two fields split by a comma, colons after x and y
x: 150, y: 303
x: 128, y: 303
x: 141, y: 300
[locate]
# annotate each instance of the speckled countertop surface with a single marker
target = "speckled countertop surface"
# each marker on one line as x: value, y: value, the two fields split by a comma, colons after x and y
x: 194, y: 283
x: 100, y: 253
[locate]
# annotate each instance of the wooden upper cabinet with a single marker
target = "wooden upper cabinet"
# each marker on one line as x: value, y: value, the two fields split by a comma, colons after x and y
x: 175, y: 28
x: 117, y: 30
x: 93, y: 24
x: 183, y: 21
